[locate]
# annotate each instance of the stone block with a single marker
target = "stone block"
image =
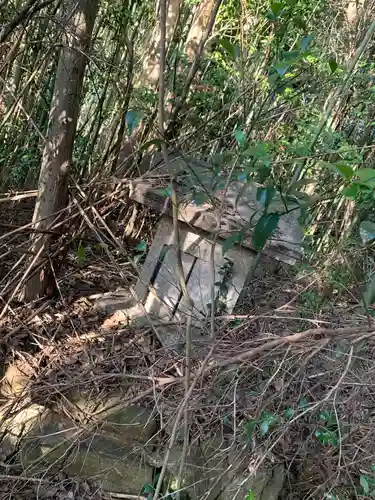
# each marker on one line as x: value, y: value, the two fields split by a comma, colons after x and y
x: 158, y: 284
x: 265, y: 484
x: 109, y: 449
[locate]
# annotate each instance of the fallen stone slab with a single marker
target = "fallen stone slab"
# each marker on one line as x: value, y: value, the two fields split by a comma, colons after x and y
x: 103, y: 441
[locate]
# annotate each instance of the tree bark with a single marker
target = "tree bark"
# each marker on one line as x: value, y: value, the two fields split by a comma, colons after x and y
x: 198, y: 27
x: 58, y: 148
x: 151, y: 66
x: 149, y: 78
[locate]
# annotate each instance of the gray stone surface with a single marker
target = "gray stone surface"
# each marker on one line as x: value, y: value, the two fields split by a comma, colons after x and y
x: 103, y: 458
x: 114, y: 301
x: 240, y: 206
x: 161, y: 296
x: 265, y: 485
x: 210, y: 473
x: 165, y: 294
x: 103, y: 441
x: 100, y: 439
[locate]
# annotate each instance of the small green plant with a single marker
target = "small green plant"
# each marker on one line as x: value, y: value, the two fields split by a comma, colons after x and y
x: 140, y: 251
x: 81, y: 254
x: 328, y: 431
x: 148, y: 491
x: 311, y: 301
x: 367, y: 483
x: 250, y: 495
x: 263, y: 425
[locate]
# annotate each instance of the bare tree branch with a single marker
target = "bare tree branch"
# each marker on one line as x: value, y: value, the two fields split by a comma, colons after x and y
x: 30, y: 9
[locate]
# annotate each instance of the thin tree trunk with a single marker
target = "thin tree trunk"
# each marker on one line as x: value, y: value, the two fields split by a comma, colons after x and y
x: 198, y: 27
x: 151, y: 67
x: 173, y: 125
x: 58, y: 148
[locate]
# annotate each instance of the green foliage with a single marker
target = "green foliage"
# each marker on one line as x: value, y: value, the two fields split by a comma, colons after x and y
x: 132, y: 119
x: 367, y: 484
x: 289, y: 413
x: 328, y: 430
x: 264, y: 229
x: 232, y: 240
x: 312, y: 301
x: 262, y: 426
x: 81, y: 254
x: 250, y: 495
x: 303, y: 404
x: 140, y: 251
x: 165, y: 192
x: 147, y: 489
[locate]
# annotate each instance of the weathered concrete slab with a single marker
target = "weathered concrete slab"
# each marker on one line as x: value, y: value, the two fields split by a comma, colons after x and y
x: 94, y: 436
x: 109, y: 450
x: 240, y: 206
x: 158, y: 286
x: 164, y: 297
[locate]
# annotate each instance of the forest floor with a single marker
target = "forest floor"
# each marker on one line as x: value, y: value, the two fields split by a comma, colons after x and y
x: 306, y: 402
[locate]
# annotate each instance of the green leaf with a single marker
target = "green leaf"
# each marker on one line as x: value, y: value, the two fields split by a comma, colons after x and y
x: 152, y: 142
x: 232, y: 49
x: 264, y: 228
x: 332, y: 65
x: 306, y: 41
x: 200, y: 197
x: 346, y: 171
x: 264, y: 427
x: 232, y: 241
x: 289, y: 413
x: 282, y: 67
x: 132, y: 119
x: 265, y: 195
x: 250, y: 495
x: 367, y: 231
x: 290, y: 55
x: 369, y: 295
x: 240, y: 136
x: 351, y: 191
x: 81, y: 253
x: 303, y: 404
x: 165, y: 192
x: 366, y: 174
x: 276, y: 8
x: 147, y: 488
x: 326, y: 437
x: 250, y: 428
x: 324, y: 416
x: 142, y: 246
x: 364, y: 483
